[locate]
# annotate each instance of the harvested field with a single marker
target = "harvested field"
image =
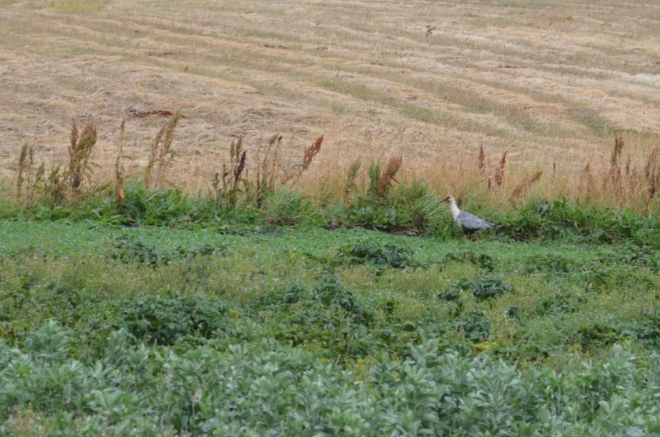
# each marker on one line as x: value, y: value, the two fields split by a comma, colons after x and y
x: 548, y: 82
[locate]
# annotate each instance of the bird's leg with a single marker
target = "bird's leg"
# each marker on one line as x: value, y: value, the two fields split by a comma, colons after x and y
x: 465, y: 236
x: 477, y: 237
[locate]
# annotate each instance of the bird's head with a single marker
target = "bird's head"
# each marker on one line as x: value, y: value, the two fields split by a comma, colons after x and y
x: 449, y: 199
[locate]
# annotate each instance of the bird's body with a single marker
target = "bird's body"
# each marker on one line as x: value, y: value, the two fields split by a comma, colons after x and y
x: 470, y: 223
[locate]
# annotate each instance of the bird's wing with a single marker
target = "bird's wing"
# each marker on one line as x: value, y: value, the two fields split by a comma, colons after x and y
x: 472, y: 222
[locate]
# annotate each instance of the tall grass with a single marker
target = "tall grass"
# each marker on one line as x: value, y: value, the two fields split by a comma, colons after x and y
x: 79, y: 152
x: 119, y: 168
x: 615, y: 179
x: 161, y: 154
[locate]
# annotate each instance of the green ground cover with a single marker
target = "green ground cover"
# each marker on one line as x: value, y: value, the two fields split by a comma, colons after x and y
x: 265, y: 330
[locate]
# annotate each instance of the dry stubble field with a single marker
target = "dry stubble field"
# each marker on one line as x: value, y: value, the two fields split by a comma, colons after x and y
x: 549, y: 82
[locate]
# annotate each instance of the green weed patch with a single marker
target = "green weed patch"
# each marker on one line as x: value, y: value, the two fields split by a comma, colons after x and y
x: 101, y: 325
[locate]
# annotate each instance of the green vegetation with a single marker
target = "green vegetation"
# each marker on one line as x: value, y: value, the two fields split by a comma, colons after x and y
x: 408, y: 210
x: 248, y: 329
x: 125, y: 310
x: 152, y: 283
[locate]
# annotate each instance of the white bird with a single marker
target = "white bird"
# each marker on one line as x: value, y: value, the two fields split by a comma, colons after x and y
x: 470, y: 223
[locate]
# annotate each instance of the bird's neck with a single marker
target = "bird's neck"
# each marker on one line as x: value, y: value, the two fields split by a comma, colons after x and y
x: 454, y: 210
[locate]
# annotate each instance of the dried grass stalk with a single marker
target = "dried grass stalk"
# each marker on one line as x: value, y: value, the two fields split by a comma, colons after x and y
x: 294, y: 171
x: 291, y: 172
x: 119, y: 168
x: 499, y: 172
x: 615, y: 165
x: 27, y: 175
x: 276, y: 137
x: 153, y: 154
x: 55, y: 187
x: 266, y: 169
x: 238, y: 168
x: 23, y: 169
x: 311, y: 152
x: 79, y: 153
x: 481, y: 160
x: 386, y: 178
x: 167, y: 154
x: 524, y: 186
x: 652, y: 174
x: 231, y: 176
x: 350, y: 180
x: 615, y: 159
x: 73, y: 137
x: 589, y: 180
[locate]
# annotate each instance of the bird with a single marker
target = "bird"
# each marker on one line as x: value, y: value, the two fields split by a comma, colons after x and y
x: 470, y: 223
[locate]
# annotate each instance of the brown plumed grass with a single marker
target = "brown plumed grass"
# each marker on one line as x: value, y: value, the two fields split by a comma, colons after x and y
x: 294, y: 171
x: 499, y: 172
x: 387, y: 176
x: 613, y: 178
x: 80, y: 149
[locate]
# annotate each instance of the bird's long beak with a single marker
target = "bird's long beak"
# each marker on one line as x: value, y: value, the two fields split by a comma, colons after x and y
x: 446, y: 199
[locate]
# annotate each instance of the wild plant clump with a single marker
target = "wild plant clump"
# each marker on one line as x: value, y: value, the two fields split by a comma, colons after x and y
x: 80, y: 150
x: 60, y: 184
x: 261, y: 184
x: 164, y: 320
x: 482, y: 288
x: 164, y: 329
x: 161, y: 154
x: 429, y: 393
x: 379, y: 256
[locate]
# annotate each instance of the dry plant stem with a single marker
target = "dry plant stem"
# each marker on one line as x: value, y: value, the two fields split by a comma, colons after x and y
x: 167, y: 154
x: 79, y: 153
x: 73, y: 138
x: 297, y: 170
x: 23, y: 170
x: 589, y: 180
x: 609, y: 179
x: 266, y: 169
x: 311, y: 152
x: 615, y: 160
x: 524, y: 186
x: 27, y: 175
x: 350, y: 181
x: 153, y: 154
x: 275, y: 159
x: 30, y: 182
x: 238, y: 169
x: 231, y: 175
x: 237, y: 157
x: 499, y: 172
x: 652, y: 173
x: 119, y: 168
x: 55, y: 187
x: 615, y: 164
x: 291, y: 172
x: 386, y: 178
